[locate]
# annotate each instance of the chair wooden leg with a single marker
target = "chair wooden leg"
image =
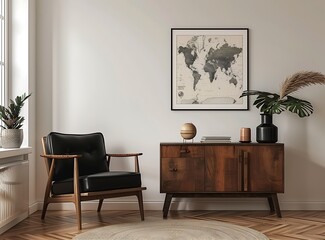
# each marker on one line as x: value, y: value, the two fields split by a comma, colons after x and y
x: 100, y: 205
x: 78, y: 211
x: 47, y: 193
x: 45, y: 204
x: 140, y: 200
x: 77, y: 201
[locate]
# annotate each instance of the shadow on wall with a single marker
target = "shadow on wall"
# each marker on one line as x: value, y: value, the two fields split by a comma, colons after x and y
x: 304, y: 164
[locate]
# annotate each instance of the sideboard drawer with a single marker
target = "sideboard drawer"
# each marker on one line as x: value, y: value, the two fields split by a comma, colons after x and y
x: 182, y: 175
x: 182, y: 151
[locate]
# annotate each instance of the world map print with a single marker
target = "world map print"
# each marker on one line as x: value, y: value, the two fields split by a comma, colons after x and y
x: 209, y: 69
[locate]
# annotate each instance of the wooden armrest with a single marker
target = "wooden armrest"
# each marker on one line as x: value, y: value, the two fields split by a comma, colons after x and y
x: 51, y: 167
x: 60, y: 156
x: 123, y: 154
x: 135, y: 155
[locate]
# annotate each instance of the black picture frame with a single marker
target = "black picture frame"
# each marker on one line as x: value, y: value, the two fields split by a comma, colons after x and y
x: 209, y: 68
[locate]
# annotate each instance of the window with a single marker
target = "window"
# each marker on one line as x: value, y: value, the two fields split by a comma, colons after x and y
x: 3, y: 51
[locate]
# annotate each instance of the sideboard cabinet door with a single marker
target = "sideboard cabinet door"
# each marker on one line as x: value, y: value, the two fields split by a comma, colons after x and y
x: 182, y: 175
x: 263, y: 168
x: 223, y: 170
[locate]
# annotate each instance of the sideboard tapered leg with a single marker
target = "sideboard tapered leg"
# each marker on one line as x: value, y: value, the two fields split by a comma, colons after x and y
x: 276, y: 205
x: 167, y: 202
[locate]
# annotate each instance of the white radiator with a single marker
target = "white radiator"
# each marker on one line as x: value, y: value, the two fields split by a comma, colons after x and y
x: 13, y: 193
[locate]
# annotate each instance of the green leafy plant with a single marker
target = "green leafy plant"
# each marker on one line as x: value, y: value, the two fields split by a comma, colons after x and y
x: 272, y: 103
x: 10, y: 115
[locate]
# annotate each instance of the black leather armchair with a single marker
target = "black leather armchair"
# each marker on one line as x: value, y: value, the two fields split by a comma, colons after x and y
x: 78, y: 169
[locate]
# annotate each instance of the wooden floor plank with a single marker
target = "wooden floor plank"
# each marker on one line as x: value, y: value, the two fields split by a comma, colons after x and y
x: 61, y: 225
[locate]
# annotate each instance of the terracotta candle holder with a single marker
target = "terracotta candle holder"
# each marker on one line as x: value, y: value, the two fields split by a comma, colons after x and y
x: 245, y: 135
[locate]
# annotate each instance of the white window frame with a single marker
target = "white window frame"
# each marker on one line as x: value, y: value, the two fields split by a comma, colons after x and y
x: 4, y: 52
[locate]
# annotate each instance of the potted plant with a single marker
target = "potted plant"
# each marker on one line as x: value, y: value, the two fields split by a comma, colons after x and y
x: 12, y: 134
x: 272, y: 103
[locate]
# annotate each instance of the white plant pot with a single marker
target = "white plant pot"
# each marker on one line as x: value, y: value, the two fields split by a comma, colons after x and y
x: 12, y: 138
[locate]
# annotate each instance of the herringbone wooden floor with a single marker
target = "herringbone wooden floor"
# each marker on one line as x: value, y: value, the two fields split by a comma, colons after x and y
x: 307, y: 225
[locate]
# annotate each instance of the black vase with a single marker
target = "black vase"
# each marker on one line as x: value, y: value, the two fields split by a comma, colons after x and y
x: 266, y: 132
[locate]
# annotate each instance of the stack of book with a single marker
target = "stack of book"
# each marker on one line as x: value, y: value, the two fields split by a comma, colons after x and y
x: 215, y: 139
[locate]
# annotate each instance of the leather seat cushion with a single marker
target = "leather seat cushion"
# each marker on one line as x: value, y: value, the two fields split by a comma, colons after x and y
x: 99, y: 182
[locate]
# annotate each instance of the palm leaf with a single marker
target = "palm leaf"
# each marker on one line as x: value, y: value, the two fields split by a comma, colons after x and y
x: 301, y: 107
x: 266, y: 102
x: 275, y: 104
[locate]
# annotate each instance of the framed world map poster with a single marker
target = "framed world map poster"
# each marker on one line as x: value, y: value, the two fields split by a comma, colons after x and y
x: 209, y: 68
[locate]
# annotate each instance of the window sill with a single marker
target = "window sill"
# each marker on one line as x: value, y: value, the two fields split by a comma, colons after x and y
x: 14, y: 152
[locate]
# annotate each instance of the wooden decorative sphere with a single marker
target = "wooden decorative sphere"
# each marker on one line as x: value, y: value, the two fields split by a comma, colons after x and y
x: 188, y: 131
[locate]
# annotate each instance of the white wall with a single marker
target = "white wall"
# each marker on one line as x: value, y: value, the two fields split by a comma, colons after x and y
x: 104, y: 65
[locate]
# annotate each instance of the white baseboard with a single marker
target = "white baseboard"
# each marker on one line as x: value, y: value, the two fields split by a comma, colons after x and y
x: 302, y: 205
x: 34, y: 207
x: 187, y: 204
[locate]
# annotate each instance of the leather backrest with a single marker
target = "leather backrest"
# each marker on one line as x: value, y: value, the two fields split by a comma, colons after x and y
x: 90, y: 146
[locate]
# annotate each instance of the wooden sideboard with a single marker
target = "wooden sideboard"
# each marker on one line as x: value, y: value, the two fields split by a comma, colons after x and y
x: 222, y: 170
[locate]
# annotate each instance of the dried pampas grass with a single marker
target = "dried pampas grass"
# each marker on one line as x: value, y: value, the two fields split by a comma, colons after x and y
x: 300, y: 80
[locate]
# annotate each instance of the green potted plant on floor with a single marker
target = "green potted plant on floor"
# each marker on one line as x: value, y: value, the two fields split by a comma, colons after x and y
x: 272, y: 103
x: 12, y: 134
